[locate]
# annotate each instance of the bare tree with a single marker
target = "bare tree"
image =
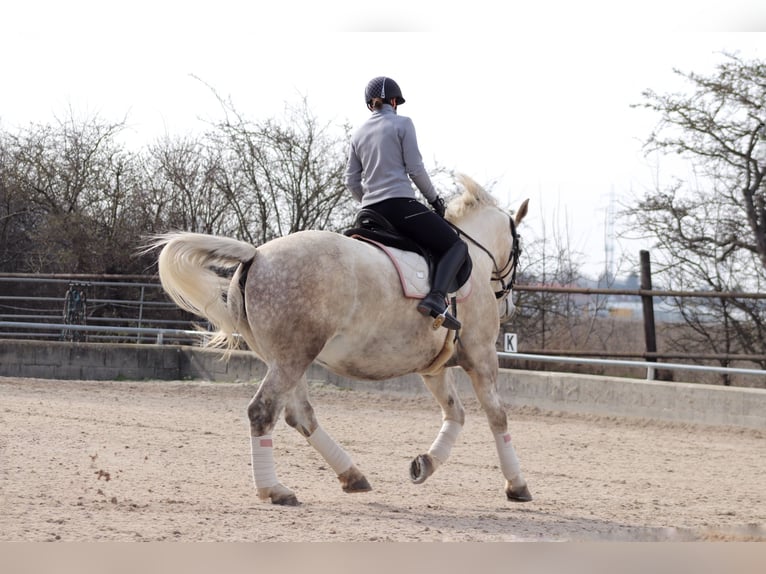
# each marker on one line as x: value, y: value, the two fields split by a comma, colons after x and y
x: 184, y: 194
x: 69, y: 186
x: 561, y: 321
x: 720, y: 128
x: 74, y: 199
x: 710, y: 233
x: 282, y: 175
x: 15, y: 213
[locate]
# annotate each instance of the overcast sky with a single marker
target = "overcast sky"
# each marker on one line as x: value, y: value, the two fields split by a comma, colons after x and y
x: 535, y: 99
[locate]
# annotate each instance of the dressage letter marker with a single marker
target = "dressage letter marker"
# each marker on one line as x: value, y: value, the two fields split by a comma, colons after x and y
x: 510, y: 342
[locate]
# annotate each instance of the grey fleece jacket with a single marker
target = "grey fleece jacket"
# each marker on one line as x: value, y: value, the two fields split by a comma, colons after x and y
x: 384, y: 160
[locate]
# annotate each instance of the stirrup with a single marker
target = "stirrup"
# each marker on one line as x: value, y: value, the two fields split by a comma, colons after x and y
x: 446, y: 320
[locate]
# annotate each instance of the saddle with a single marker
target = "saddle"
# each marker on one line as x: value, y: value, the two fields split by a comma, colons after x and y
x: 376, y: 229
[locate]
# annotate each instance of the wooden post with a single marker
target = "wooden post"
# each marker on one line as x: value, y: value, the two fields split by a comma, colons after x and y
x: 647, y: 302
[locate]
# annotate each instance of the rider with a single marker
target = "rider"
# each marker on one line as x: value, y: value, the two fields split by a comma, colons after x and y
x: 384, y: 157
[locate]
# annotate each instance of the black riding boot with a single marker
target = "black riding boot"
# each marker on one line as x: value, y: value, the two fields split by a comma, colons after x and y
x: 435, y: 304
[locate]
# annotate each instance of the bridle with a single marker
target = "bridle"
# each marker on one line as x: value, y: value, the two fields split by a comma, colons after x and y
x: 509, y: 268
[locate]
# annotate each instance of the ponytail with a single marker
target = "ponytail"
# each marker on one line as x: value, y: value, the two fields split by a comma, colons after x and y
x: 377, y: 103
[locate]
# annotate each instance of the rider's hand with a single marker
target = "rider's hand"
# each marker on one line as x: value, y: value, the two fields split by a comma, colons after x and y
x: 438, y: 206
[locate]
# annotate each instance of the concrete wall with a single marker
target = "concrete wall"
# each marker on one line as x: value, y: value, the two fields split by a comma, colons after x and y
x: 107, y: 361
x: 682, y: 402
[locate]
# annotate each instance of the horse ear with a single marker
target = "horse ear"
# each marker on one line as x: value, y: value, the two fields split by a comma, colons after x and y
x: 522, y: 212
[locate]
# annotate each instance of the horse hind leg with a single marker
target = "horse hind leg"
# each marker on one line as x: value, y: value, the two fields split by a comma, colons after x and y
x: 442, y: 387
x: 299, y: 414
x: 263, y: 411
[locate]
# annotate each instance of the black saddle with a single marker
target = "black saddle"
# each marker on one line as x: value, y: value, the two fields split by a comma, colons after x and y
x: 369, y: 224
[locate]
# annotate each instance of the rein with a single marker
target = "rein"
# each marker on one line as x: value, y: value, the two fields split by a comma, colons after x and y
x: 509, y: 269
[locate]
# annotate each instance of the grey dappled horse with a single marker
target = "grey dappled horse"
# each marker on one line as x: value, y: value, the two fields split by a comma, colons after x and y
x: 321, y: 296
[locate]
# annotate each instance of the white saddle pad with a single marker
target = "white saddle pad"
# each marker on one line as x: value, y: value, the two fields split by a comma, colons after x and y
x: 413, y: 272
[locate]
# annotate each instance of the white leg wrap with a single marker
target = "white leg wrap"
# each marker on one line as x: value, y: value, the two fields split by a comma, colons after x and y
x: 445, y: 440
x: 509, y: 463
x: 330, y: 450
x: 264, y: 471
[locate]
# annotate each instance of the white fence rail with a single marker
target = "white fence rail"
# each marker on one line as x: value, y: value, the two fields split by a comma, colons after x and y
x: 159, y: 333
x: 649, y: 366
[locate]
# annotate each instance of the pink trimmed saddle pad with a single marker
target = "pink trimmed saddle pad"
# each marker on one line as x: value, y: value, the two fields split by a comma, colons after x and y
x: 413, y: 272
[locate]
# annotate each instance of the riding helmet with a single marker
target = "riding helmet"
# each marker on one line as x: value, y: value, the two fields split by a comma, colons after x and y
x: 384, y: 88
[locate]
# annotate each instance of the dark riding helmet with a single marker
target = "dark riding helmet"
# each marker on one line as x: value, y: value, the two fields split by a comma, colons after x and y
x: 383, y: 88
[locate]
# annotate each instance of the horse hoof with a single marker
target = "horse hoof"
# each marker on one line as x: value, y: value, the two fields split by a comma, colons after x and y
x: 359, y: 485
x: 288, y: 500
x: 421, y: 467
x: 519, y: 494
x: 278, y: 494
x: 354, y: 481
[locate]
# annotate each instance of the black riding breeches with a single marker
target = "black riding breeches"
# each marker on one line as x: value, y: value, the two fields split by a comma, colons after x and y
x: 415, y: 221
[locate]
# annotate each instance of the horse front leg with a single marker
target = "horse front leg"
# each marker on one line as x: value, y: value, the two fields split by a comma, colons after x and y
x: 263, y: 411
x: 299, y: 414
x: 442, y: 387
x: 484, y: 382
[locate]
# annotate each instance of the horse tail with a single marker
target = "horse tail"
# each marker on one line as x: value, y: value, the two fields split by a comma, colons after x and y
x: 187, y: 265
x: 235, y: 302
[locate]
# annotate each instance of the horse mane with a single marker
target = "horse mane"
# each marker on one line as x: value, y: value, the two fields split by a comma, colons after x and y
x: 473, y: 197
